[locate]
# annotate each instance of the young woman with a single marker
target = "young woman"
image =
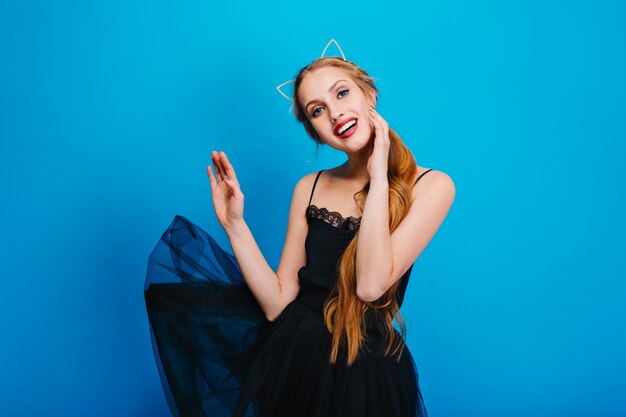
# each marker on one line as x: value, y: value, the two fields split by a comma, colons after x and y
x: 316, y: 337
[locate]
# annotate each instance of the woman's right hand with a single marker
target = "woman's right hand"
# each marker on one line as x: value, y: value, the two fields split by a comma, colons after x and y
x: 225, y: 191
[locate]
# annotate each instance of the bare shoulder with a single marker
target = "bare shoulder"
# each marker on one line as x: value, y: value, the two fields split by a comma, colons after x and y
x: 304, y: 185
x: 434, y: 183
x: 300, y: 197
x: 308, y: 179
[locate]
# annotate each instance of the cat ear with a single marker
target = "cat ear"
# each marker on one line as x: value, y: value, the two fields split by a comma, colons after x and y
x: 323, y: 52
x: 339, y: 47
x: 285, y: 95
x: 290, y: 81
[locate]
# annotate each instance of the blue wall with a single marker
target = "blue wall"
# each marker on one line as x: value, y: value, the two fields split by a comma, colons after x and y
x: 108, y: 114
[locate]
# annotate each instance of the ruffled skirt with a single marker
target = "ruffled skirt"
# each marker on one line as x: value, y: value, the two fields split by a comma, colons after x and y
x: 218, y: 355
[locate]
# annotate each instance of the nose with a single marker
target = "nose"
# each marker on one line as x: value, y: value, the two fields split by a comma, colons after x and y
x: 336, y: 114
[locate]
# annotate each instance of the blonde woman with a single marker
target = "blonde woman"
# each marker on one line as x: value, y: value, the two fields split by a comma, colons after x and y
x: 316, y: 337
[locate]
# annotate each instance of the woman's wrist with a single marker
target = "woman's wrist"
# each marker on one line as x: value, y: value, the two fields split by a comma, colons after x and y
x: 379, y: 182
x: 235, y: 227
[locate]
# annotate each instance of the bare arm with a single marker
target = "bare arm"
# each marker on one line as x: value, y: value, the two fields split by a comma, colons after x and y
x: 260, y: 278
x: 373, y: 253
x: 382, y: 258
x: 272, y: 290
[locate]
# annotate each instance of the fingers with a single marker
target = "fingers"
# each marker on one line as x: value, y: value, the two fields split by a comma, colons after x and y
x: 217, y: 165
x: 224, y: 170
x: 381, y: 123
x: 377, y: 117
x: 211, y: 177
x: 228, y: 167
x: 215, y: 183
x: 376, y: 122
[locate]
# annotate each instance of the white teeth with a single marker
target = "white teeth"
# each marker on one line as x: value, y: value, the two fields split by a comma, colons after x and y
x: 346, y: 127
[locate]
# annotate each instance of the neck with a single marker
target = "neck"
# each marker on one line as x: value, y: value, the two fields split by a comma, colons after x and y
x: 355, y: 168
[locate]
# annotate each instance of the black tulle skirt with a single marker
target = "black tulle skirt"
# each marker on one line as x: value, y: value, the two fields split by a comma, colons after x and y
x: 218, y: 355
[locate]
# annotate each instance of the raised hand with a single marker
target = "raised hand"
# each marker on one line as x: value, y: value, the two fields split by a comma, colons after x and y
x: 377, y: 163
x: 225, y: 191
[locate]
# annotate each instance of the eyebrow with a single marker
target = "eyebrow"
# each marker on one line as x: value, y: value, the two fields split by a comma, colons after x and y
x: 329, y: 90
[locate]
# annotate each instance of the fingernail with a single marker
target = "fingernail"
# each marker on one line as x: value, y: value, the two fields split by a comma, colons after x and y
x: 226, y: 177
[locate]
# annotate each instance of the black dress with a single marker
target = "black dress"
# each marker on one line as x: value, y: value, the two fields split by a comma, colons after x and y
x: 218, y: 355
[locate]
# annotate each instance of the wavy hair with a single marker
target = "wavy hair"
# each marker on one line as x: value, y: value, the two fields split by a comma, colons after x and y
x: 345, y: 313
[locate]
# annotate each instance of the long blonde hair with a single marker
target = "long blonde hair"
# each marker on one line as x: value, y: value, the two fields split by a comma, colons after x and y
x: 344, y: 312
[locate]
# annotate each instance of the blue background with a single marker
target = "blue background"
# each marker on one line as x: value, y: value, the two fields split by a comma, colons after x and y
x: 109, y: 112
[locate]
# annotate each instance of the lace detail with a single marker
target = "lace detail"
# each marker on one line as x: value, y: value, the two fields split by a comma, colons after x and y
x: 333, y: 218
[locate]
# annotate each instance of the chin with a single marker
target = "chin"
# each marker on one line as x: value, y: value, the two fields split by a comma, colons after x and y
x: 358, y: 144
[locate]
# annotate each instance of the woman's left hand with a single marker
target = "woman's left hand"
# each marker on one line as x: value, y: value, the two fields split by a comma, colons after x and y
x: 378, y: 161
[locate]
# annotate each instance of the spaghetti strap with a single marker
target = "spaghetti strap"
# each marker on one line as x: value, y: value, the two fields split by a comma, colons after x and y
x: 422, y: 174
x: 315, y: 183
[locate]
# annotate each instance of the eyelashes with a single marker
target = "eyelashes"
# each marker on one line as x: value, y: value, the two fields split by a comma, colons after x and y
x: 314, y: 112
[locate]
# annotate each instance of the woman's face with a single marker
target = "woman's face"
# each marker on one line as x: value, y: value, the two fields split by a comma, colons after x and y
x: 330, y: 98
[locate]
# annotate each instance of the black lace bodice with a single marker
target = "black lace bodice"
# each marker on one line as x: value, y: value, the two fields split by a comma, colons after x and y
x: 333, y: 218
x: 324, y: 246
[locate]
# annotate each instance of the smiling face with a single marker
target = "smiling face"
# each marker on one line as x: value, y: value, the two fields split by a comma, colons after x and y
x: 330, y: 98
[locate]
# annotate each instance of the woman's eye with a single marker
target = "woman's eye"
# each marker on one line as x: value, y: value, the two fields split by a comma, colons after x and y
x: 314, y: 113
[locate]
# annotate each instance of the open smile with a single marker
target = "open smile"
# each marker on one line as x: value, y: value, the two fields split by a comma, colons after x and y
x: 347, y: 129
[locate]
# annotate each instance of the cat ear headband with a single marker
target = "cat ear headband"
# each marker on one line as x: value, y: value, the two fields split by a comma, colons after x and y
x: 292, y: 80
